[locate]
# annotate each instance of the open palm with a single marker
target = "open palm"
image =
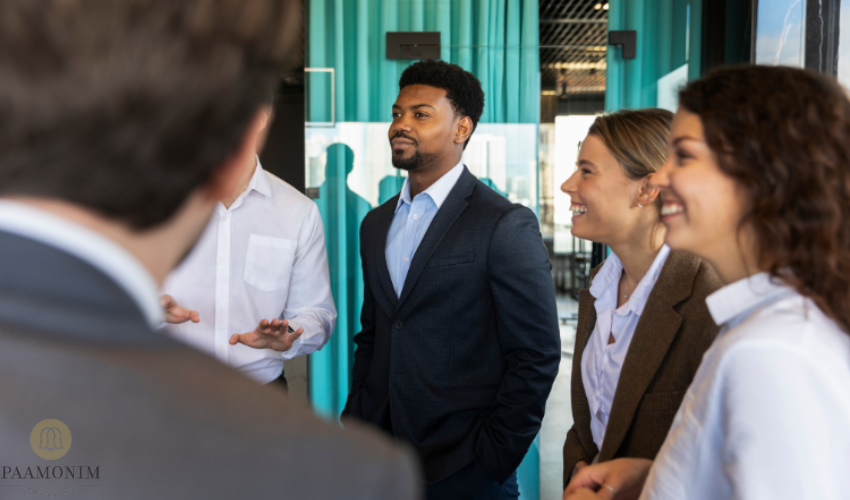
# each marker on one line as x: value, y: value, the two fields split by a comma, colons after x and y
x: 272, y: 334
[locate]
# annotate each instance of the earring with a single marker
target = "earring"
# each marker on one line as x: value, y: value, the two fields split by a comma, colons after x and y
x: 639, y: 205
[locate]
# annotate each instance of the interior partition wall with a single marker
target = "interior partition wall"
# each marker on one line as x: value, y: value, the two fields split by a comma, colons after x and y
x: 350, y: 88
x: 679, y: 41
x: 669, y: 38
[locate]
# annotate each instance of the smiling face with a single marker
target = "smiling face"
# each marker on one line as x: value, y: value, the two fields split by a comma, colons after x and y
x: 603, y: 198
x: 425, y: 128
x: 703, y: 206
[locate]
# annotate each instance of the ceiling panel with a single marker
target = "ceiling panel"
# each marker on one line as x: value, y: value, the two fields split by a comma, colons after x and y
x: 573, y: 45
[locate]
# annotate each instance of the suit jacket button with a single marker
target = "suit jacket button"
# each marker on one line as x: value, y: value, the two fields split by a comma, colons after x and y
x: 398, y: 325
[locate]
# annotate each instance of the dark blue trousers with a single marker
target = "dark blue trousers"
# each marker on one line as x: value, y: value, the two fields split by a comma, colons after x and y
x: 472, y: 483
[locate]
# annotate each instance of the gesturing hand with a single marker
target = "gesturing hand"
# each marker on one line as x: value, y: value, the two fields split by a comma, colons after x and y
x: 175, y: 314
x: 269, y: 335
x: 620, y: 479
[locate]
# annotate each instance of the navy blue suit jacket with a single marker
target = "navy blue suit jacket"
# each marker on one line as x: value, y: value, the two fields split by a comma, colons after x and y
x: 460, y: 365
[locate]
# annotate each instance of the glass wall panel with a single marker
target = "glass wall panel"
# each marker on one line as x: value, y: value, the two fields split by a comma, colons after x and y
x: 502, y: 155
x: 780, y: 33
x: 844, y: 43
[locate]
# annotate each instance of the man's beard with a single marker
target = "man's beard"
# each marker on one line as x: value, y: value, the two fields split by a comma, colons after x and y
x: 415, y: 162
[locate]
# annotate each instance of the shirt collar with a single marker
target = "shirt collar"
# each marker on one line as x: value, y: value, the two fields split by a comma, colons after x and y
x: 438, y: 191
x: 741, y: 297
x: 607, y: 279
x: 259, y: 182
x: 89, y: 246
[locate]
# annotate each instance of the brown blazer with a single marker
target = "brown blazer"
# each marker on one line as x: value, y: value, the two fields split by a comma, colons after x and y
x: 672, y: 334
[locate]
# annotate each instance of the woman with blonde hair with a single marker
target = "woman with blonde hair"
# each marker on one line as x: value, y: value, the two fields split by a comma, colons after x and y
x: 643, y: 325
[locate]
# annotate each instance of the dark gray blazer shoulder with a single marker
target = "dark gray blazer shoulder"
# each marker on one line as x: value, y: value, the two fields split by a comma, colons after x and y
x: 158, y: 418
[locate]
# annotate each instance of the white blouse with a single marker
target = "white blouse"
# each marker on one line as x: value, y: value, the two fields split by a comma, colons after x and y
x: 601, y: 362
x: 768, y: 413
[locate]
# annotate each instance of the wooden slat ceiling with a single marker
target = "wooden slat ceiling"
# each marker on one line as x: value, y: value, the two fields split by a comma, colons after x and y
x: 573, y: 44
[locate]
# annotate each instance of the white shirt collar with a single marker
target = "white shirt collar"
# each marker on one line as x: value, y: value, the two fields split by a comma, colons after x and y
x: 438, y: 191
x: 259, y: 183
x: 742, y: 296
x: 89, y: 246
x: 608, y: 278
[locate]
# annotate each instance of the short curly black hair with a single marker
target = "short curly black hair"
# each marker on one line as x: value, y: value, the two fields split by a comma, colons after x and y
x: 463, y: 90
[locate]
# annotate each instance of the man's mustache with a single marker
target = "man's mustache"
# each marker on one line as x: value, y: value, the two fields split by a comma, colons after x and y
x: 402, y: 135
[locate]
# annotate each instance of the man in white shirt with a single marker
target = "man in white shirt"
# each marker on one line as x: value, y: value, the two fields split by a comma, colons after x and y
x: 255, y: 291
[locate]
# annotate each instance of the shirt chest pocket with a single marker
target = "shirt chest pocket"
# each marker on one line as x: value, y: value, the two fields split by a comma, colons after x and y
x: 268, y: 263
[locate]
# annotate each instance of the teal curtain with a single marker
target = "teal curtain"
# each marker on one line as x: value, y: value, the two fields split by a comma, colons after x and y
x: 497, y: 40
x: 342, y: 210
x: 669, y: 34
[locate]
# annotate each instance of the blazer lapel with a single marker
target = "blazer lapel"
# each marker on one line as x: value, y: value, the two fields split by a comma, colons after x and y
x: 658, y: 326
x: 448, y: 213
x: 384, y: 221
x: 586, y: 322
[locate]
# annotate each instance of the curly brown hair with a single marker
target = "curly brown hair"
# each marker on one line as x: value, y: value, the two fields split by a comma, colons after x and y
x: 784, y: 135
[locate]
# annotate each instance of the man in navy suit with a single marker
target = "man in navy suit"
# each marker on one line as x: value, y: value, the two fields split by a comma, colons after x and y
x: 460, y: 343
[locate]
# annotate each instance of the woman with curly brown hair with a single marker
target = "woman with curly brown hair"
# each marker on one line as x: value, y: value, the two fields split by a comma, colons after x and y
x: 758, y: 183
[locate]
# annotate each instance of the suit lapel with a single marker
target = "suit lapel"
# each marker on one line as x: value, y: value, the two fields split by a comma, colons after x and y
x: 385, y: 219
x: 448, y: 213
x: 657, y: 328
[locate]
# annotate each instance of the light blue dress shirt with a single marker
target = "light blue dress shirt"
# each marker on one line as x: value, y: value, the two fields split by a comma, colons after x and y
x: 411, y: 221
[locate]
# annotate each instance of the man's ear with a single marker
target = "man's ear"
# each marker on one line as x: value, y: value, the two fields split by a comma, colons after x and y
x: 463, y: 130
x: 224, y: 179
x: 268, y: 112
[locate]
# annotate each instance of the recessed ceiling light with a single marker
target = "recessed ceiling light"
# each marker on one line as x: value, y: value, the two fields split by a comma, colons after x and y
x: 597, y: 6
x: 605, y: 7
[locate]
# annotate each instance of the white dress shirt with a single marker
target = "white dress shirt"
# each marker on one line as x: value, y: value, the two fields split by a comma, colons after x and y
x: 98, y: 251
x: 601, y: 362
x: 412, y: 219
x: 263, y: 258
x: 768, y: 414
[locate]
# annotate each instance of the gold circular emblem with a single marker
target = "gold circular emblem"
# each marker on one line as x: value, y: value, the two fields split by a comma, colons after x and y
x: 50, y: 439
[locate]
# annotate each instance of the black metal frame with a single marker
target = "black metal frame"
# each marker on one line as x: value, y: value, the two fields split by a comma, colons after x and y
x: 822, y: 29
x: 728, y: 33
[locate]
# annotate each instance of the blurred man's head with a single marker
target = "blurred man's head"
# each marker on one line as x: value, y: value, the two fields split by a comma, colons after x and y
x: 256, y: 135
x: 135, y: 116
x: 437, y: 109
x: 126, y: 107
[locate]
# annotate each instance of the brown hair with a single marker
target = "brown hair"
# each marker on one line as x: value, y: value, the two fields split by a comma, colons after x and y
x: 126, y: 107
x: 784, y: 135
x: 636, y: 138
